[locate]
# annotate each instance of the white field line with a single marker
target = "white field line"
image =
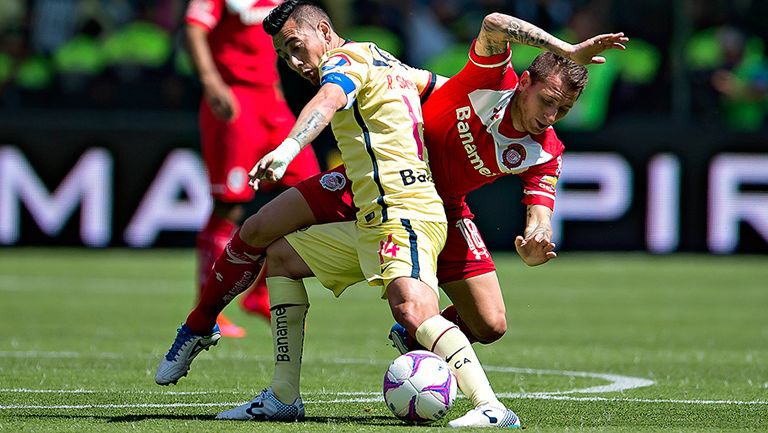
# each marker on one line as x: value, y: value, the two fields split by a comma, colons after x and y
x: 112, y: 391
x: 378, y: 399
x: 617, y: 383
x: 117, y: 406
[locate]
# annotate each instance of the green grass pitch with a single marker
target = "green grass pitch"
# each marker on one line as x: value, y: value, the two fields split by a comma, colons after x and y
x: 596, y: 343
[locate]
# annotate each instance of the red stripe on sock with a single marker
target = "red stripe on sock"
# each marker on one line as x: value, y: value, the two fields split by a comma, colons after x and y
x: 441, y: 336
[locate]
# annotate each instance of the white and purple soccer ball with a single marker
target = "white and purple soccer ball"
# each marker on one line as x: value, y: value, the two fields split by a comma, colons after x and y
x: 419, y: 387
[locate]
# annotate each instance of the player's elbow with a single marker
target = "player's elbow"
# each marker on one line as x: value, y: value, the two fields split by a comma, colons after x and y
x: 494, y: 21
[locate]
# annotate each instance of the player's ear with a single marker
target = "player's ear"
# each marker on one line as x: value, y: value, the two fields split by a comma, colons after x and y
x: 525, y: 80
x: 325, y: 30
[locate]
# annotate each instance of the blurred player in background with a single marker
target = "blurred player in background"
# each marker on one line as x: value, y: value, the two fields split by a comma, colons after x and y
x: 243, y: 115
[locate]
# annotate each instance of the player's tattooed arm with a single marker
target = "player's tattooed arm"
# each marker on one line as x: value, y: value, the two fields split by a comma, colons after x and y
x: 317, y: 114
x: 316, y: 122
x: 499, y: 29
x: 538, y: 222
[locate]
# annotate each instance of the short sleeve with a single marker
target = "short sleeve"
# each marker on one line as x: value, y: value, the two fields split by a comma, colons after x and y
x: 540, y: 181
x: 205, y: 13
x: 487, y: 71
x: 346, y: 70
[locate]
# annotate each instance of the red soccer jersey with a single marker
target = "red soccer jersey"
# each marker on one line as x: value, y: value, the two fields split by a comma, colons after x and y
x: 482, y: 144
x: 242, y: 50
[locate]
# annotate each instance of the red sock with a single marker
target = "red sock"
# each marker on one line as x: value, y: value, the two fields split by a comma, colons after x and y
x: 450, y: 314
x: 233, y: 272
x: 210, y: 244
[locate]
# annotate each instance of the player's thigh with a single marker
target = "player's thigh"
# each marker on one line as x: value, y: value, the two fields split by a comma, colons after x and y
x: 329, y: 196
x: 401, y: 248
x: 468, y: 276
x: 284, y: 214
x: 480, y: 304
x: 330, y: 253
x: 465, y: 254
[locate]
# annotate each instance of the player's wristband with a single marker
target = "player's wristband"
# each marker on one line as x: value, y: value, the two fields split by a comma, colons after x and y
x: 287, y: 150
x: 283, y: 155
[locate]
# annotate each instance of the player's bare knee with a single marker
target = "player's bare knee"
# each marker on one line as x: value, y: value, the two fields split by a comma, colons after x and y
x: 283, y: 261
x: 255, y: 231
x: 491, y: 329
x: 411, y: 314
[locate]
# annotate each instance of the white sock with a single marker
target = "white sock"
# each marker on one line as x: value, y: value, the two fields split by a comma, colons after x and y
x: 446, y: 340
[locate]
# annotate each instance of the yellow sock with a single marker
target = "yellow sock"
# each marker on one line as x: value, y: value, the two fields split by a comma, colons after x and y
x: 289, y: 305
x: 446, y: 340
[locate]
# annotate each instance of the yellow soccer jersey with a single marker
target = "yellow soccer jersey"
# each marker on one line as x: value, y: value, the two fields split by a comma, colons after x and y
x: 379, y: 133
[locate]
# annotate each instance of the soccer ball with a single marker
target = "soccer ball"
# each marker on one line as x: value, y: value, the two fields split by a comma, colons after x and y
x: 419, y: 387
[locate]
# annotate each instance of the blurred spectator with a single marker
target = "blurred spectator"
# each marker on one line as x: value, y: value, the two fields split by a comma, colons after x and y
x: 125, y: 54
x: 54, y: 22
x: 638, y: 65
x: 426, y: 36
x: 551, y: 15
x: 730, y: 76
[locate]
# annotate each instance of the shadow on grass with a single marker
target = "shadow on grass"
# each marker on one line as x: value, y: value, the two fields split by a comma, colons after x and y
x: 366, y: 420
x: 363, y: 420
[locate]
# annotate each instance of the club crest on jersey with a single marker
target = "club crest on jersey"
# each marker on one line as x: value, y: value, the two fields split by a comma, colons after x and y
x: 333, y: 181
x: 513, y: 155
x: 336, y: 61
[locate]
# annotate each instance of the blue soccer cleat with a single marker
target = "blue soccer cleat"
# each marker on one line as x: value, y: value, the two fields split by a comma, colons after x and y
x: 175, y: 364
x: 402, y: 341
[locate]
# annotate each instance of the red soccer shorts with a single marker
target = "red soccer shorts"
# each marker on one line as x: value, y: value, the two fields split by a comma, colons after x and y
x: 230, y: 149
x: 465, y: 255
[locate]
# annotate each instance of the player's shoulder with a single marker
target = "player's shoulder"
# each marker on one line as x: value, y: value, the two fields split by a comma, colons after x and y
x: 550, y: 142
x: 357, y: 51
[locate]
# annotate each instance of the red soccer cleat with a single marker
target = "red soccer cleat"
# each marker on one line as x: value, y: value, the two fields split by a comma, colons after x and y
x: 229, y: 329
x: 256, y: 301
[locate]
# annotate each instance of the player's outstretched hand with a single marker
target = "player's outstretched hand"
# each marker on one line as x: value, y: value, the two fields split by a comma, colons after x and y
x: 587, y: 52
x: 263, y: 170
x: 535, y: 251
x: 273, y: 165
